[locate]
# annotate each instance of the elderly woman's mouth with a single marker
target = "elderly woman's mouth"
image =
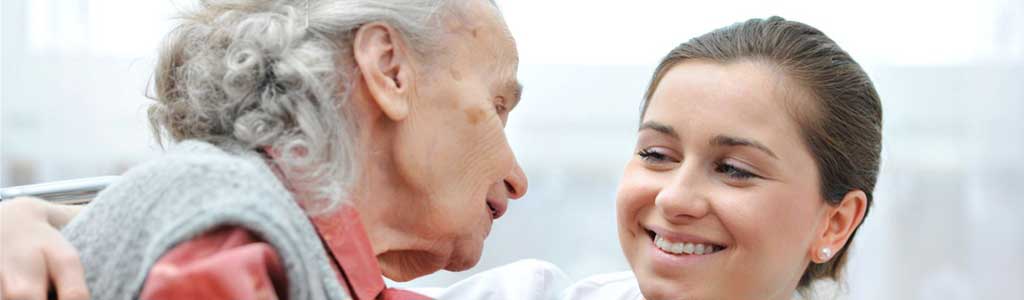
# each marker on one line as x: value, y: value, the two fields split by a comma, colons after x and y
x: 497, y: 208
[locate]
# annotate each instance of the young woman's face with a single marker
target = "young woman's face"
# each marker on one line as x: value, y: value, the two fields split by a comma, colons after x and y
x: 721, y: 199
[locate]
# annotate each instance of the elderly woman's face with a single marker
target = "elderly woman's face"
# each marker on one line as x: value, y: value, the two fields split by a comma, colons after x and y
x: 452, y: 152
x: 721, y: 198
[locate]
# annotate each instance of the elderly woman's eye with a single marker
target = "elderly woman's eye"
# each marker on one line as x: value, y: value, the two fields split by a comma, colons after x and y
x: 734, y: 172
x: 499, y: 105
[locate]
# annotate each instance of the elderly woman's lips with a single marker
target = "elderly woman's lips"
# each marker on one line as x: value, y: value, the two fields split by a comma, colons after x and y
x: 497, y: 208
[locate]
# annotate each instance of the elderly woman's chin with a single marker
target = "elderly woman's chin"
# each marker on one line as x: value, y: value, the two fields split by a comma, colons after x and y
x: 458, y: 255
x: 467, y: 251
x: 407, y: 265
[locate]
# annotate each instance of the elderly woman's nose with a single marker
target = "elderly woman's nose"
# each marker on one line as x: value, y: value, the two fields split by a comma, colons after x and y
x: 516, y: 183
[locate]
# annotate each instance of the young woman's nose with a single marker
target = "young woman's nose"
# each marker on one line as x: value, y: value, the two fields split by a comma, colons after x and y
x: 684, y: 198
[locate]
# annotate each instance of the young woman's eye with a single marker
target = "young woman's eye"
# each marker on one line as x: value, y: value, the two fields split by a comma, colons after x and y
x: 734, y: 172
x: 653, y: 156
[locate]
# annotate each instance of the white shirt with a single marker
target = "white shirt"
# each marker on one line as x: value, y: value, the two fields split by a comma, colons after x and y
x: 528, y: 279
x: 532, y: 279
x: 611, y: 286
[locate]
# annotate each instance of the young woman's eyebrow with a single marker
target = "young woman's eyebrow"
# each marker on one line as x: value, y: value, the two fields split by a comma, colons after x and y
x: 732, y: 141
x: 659, y: 127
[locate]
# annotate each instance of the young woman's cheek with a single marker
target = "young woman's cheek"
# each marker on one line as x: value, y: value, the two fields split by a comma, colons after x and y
x: 636, y: 191
x: 639, y: 186
x: 769, y: 235
x: 627, y: 194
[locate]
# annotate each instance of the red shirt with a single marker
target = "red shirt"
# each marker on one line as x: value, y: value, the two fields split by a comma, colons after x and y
x: 233, y: 263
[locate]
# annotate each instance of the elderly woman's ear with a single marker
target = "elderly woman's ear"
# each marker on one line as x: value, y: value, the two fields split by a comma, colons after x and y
x: 384, y: 65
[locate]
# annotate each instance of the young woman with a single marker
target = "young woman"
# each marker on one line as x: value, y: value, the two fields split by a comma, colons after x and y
x: 757, y: 154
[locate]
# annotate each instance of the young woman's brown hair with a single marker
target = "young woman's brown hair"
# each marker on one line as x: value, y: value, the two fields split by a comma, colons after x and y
x: 843, y: 130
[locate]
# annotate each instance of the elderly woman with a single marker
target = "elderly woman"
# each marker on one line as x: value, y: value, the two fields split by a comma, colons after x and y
x: 317, y: 144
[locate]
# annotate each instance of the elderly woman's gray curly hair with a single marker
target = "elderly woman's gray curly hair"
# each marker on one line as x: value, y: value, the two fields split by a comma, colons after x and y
x: 274, y: 73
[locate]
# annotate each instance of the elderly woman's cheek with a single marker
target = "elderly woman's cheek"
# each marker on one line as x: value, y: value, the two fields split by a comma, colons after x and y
x: 494, y: 151
x: 475, y: 115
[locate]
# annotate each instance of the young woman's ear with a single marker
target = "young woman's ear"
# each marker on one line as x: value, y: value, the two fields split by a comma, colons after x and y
x: 840, y: 223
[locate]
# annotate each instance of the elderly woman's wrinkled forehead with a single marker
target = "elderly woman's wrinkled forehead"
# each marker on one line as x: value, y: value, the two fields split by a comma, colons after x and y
x: 473, y: 18
x: 478, y: 26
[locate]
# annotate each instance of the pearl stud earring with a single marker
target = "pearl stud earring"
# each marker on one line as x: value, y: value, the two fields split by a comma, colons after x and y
x: 825, y: 254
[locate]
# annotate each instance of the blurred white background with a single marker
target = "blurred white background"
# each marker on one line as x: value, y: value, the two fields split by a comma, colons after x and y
x: 946, y: 220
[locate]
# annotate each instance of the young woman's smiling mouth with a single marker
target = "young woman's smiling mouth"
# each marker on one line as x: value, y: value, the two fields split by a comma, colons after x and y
x: 680, y: 243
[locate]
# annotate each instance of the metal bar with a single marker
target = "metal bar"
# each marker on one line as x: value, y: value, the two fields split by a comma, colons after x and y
x: 75, y: 191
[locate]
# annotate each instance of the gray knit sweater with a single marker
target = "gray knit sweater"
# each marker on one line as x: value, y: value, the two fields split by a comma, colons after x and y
x: 191, y: 189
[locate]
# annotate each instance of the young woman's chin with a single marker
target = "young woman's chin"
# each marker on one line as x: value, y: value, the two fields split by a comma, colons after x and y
x: 658, y: 288
x: 664, y: 276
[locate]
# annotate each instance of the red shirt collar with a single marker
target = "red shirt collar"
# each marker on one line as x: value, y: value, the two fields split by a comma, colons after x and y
x: 343, y: 234
x: 345, y: 238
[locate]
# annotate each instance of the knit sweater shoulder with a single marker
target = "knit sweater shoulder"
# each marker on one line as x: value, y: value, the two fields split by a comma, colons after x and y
x: 193, y: 188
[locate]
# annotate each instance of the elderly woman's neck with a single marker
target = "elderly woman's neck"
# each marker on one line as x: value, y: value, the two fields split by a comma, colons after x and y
x: 388, y: 218
x: 388, y: 208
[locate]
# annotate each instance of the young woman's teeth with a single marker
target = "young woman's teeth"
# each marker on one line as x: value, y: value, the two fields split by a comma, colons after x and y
x: 684, y: 248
